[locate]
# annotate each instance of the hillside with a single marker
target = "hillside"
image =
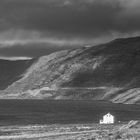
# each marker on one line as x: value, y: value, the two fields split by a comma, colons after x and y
x: 11, y: 71
x: 109, y: 72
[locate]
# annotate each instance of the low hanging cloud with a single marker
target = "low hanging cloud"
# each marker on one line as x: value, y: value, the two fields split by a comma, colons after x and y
x: 64, y: 24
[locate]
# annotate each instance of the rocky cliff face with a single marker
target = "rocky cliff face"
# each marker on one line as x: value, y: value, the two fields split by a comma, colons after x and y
x: 105, y: 72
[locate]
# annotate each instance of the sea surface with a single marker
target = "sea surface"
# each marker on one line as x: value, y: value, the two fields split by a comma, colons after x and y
x: 31, y: 112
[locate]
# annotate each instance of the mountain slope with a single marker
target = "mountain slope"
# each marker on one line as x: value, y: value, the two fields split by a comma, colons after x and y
x: 105, y: 72
x: 11, y: 71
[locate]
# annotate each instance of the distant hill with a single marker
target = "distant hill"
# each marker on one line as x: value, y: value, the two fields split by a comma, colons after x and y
x: 11, y: 71
x: 108, y: 72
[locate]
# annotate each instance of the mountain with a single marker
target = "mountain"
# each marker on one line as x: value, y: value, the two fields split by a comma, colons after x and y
x: 11, y: 71
x: 109, y: 72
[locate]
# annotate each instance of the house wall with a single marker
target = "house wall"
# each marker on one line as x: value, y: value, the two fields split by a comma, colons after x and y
x: 107, y: 119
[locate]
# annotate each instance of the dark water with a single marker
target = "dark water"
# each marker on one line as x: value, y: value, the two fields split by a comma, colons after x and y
x: 13, y: 112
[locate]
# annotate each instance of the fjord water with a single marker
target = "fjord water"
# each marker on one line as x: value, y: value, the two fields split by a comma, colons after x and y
x: 22, y: 112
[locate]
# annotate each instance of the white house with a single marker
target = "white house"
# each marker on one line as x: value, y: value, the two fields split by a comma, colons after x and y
x: 107, y: 119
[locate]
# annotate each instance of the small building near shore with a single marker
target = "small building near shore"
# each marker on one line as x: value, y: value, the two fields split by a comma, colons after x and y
x: 107, y: 119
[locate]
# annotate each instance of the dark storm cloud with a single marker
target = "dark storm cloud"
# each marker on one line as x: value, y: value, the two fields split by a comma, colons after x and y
x: 82, y: 20
x: 83, y: 17
x: 75, y: 18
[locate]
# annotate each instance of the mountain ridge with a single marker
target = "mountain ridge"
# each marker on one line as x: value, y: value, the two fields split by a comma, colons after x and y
x: 109, y: 72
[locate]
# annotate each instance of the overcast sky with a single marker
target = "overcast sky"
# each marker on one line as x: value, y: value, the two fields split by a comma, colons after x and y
x: 30, y: 28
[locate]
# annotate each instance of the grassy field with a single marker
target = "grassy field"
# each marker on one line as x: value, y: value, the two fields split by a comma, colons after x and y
x: 65, y: 120
x: 54, y: 132
x: 130, y: 131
